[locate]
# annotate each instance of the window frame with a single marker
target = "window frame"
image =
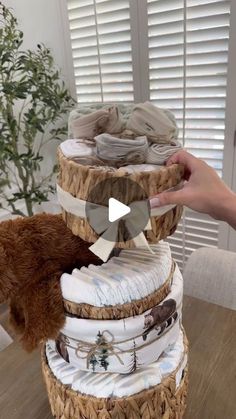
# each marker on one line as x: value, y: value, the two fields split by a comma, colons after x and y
x: 227, y: 236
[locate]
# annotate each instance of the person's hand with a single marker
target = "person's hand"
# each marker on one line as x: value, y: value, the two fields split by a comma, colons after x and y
x: 203, y: 190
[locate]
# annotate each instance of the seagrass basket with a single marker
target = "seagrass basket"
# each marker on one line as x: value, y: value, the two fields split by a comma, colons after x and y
x: 163, y: 401
x: 78, y: 179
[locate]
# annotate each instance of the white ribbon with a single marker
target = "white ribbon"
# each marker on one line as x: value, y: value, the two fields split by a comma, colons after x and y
x: 102, y: 247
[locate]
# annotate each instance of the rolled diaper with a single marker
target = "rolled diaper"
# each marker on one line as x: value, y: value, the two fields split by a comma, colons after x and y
x: 133, y: 275
x: 118, y: 151
x: 147, y: 119
x: 160, y: 153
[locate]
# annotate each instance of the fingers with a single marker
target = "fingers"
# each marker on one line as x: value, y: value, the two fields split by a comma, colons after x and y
x: 166, y: 198
x: 183, y: 157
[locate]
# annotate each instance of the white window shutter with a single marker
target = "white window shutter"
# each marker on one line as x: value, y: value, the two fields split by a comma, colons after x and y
x: 188, y: 55
x: 101, y: 46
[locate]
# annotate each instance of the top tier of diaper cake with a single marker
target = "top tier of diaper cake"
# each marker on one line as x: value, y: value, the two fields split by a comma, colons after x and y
x: 119, y: 141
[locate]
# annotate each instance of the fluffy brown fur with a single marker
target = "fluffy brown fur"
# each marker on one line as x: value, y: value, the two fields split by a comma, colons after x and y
x: 34, y: 252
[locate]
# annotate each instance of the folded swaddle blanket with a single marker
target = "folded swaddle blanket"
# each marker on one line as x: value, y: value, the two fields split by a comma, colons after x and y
x: 119, y: 151
x: 102, y: 120
x: 147, y: 119
x: 160, y: 153
x: 73, y: 148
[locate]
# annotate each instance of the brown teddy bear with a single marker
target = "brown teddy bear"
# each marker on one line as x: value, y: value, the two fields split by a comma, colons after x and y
x: 34, y: 252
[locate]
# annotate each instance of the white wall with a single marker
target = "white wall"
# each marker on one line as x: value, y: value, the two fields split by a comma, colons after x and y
x: 42, y: 22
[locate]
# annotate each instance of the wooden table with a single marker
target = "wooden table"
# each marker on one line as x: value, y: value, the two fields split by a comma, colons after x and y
x: 212, y: 394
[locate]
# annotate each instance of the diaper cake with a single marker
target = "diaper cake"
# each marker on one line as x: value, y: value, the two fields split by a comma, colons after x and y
x: 122, y: 352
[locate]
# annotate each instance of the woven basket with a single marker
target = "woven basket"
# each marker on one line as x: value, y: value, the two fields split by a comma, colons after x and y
x: 120, y: 311
x: 78, y: 180
x: 162, y: 401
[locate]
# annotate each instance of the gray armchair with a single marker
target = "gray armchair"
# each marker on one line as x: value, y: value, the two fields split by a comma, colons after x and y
x: 210, y: 274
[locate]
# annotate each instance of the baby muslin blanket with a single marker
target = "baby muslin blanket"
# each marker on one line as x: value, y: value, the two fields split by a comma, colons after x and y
x: 102, y: 120
x: 147, y: 119
x: 160, y: 153
x: 121, y: 150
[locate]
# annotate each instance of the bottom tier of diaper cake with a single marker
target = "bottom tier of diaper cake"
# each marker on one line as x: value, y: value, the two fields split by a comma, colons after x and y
x: 154, y: 391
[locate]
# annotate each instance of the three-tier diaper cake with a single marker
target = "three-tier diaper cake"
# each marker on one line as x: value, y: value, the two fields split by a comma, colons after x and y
x: 122, y: 353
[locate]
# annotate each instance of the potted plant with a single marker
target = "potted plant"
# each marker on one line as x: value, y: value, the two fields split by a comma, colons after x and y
x: 33, y: 105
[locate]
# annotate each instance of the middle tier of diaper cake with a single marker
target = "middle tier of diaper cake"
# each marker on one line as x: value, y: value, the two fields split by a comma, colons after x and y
x: 122, y: 315
x: 128, y: 307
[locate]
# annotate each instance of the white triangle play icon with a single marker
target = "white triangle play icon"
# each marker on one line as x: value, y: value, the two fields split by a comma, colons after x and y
x: 117, y: 210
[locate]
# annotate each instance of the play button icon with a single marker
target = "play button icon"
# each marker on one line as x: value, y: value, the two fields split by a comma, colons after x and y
x: 117, y: 210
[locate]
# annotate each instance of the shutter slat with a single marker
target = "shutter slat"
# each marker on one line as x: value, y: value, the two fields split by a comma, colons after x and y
x: 203, y: 144
x: 164, y: 6
x: 191, y: 71
x: 114, y: 28
x: 119, y: 49
x: 107, y: 88
x: 106, y: 79
x: 111, y: 17
x: 197, y: 81
x: 118, y: 97
x: 202, y: 2
x: 204, y: 10
x: 111, y: 6
x: 73, y: 4
x: 101, y: 50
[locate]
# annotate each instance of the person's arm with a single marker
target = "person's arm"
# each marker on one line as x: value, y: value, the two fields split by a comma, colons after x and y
x: 203, y: 191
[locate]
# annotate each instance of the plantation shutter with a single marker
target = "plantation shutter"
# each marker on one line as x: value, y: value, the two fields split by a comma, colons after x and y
x: 188, y: 54
x: 101, y: 48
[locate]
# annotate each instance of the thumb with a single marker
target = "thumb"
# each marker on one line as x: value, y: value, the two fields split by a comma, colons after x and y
x: 166, y: 198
